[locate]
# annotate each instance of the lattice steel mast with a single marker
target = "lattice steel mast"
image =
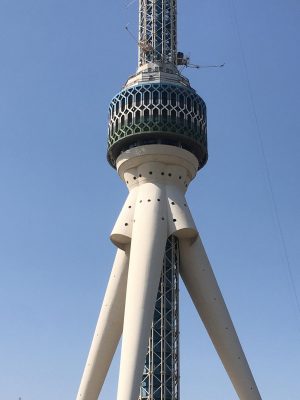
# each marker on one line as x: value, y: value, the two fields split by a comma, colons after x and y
x: 157, y: 31
x: 158, y: 45
x: 161, y: 372
x: 157, y: 141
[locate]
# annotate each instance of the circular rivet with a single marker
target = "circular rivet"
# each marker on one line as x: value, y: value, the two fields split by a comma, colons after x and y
x: 174, y: 220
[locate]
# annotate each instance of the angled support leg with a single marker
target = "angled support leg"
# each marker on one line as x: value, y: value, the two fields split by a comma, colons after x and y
x: 108, y: 330
x: 148, y: 243
x: 203, y: 288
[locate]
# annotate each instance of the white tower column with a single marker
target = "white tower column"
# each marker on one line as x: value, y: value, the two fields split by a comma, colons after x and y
x: 157, y: 177
x: 108, y: 330
x: 203, y: 288
x: 149, y: 235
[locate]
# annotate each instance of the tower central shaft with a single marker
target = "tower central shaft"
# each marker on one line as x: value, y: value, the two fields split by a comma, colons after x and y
x: 157, y: 31
x: 161, y: 371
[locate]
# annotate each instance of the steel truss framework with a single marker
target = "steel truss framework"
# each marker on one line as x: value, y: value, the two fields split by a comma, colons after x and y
x: 157, y: 31
x: 161, y: 371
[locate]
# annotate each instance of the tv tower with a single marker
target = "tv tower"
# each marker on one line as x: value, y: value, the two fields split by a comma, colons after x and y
x: 157, y: 143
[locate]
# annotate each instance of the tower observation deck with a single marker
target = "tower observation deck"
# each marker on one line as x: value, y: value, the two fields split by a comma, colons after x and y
x: 157, y: 104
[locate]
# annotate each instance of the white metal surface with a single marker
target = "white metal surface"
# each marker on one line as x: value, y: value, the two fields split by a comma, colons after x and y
x: 148, y: 242
x: 108, y: 330
x: 203, y: 288
x: 157, y: 177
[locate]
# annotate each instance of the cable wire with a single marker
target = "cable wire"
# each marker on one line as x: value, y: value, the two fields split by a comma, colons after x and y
x: 266, y: 166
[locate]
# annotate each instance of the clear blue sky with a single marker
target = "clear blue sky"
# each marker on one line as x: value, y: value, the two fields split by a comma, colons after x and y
x: 60, y: 63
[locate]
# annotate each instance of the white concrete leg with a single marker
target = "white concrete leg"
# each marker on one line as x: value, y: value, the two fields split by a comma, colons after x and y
x: 108, y: 331
x: 201, y: 283
x: 146, y: 259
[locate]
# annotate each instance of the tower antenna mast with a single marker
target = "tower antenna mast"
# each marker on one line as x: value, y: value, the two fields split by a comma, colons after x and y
x: 157, y: 142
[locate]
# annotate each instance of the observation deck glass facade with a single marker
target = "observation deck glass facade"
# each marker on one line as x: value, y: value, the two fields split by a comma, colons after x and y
x: 157, y: 113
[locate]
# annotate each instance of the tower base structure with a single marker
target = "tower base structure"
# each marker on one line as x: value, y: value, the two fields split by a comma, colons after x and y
x: 157, y: 177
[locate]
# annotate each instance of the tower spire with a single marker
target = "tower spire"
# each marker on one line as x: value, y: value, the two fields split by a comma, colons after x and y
x: 157, y: 31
